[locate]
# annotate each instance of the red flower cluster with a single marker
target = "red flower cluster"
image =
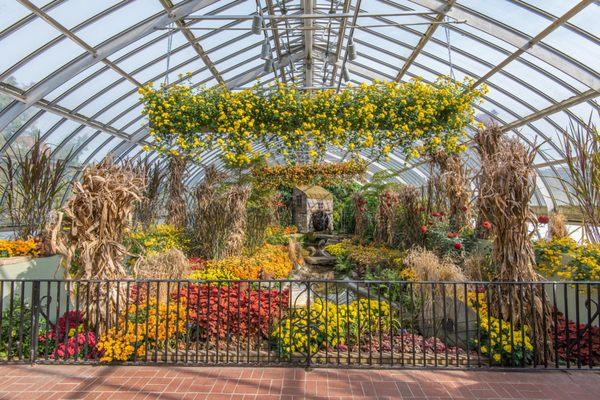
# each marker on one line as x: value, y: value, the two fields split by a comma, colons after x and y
x: 236, y: 310
x: 575, y: 348
x: 423, y: 228
x: 70, y: 337
x: 458, y: 245
x: 486, y: 225
x: 543, y: 219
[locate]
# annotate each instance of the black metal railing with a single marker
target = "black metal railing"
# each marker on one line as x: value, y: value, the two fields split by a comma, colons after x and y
x: 341, y: 323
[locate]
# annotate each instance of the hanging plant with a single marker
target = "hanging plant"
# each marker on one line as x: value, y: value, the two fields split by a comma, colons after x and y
x: 413, y: 117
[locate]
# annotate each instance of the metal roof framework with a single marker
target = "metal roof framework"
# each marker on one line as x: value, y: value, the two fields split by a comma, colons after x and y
x: 77, y: 87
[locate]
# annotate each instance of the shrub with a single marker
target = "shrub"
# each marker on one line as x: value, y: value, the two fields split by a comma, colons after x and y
x: 583, y: 263
x: 141, y: 328
x: 157, y: 239
x: 236, y: 309
x: 16, y: 329
x: 363, y: 260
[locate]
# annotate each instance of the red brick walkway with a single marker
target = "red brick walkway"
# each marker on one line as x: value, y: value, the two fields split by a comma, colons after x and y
x: 124, y: 382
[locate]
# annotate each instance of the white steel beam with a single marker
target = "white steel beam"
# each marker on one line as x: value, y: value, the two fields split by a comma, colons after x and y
x: 308, y: 23
x: 535, y: 40
x: 120, y: 41
x: 518, y: 39
x: 168, y: 6
x: 424, y: 39
x: 571, y: 101
x: 65, y: 31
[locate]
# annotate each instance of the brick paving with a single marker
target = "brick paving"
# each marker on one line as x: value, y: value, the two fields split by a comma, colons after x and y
x: 128, y: 382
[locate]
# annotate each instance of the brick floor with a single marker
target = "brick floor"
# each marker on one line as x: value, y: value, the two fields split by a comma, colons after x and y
x: 127, y: 382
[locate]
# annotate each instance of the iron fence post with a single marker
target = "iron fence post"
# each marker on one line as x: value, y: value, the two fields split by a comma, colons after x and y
x: 35, y: 313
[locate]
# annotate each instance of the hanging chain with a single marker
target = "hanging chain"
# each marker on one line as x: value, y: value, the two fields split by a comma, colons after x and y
x: 447, y: 30
x: 169, y: 49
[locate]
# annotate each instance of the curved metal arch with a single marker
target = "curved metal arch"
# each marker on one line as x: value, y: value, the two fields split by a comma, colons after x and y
x: 28, y: 18
x: 509, y: 39
x: 110, y: 46
x: 518, y: 39
x: 59, y: 38
x: 179, y: 80
x: 151, y: 63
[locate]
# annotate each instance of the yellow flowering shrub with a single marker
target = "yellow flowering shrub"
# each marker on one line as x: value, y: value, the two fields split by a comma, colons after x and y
x: 157, y: 239
x: 267, y: 261
x: 16, y: 248
x: 212, y: 274
x: 582, y: 261
x: 142, y: 328
x: 415, y: 117
x: 495, y: 336
x: 330, y: 325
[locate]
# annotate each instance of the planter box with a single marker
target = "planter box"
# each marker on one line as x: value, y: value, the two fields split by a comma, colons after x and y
x: 572, y: 297
x: 17, y: 275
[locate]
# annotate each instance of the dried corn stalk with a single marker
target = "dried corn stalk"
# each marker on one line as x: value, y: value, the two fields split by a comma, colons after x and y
x: 386, y: 219
x: 557, y: 226
x: 219, y: 224
x: 92, y: 226
x: 455, y: 188
x: 146, y: 212
x: 507, y: 185
x: 487, y: 140
x: 176, y: 205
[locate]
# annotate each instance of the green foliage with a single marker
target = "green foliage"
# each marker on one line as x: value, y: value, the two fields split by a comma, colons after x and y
x: 16, y: 329
x: 343, y: 209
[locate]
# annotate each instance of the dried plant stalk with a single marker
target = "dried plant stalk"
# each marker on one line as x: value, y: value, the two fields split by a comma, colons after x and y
x: 220, y: 216
x: 557, y: 226
x: 172, y: 264
x: 146, y: 212
x: 487, y: 141
x: 360, y: 215
x: 92, y: 227
x: 386, y: 219
x: 455, y: 185
x: 410, y: 217
x: 507, y: 185
x: 428, y: 267
x: 176, y: 205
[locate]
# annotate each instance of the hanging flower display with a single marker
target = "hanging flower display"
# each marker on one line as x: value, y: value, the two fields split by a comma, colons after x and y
x: 413, y: 117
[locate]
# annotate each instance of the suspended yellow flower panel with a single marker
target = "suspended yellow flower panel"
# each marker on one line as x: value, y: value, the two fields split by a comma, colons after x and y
x: 413, y: 117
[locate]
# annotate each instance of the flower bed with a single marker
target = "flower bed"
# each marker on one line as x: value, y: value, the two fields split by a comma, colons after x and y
x: 502, y: 343
x: 269, y: 261
x: 565, y: 259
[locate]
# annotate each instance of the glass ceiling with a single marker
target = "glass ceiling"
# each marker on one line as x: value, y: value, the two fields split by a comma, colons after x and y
x: 70, y: 69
